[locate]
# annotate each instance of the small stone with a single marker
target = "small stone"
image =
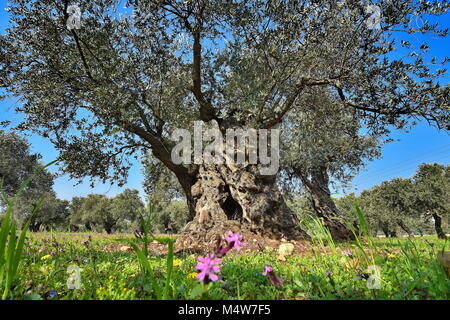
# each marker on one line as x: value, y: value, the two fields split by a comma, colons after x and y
x: 286, y: 249
x: 124, y: 248
x: 281, y: 258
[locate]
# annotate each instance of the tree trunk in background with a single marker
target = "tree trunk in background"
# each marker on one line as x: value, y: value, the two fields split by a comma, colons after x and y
x: 324, y: 205
x: 385, y: 230
x: 237, y: 198
x: 404, y: 227
x: 34, y: 226
x: 108, y: 229
x: 438, y: 226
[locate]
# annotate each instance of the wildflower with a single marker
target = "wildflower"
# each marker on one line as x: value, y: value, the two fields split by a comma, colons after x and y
x: 56, y: 244
x: 361, y: 275
x: 328, y: 273
x: 52, y: 253
x: 86, y: 243
x: 52, y: 293
x: 139, y: 232
x: 268, y: 270
x: 208, y: 266
x: 192, y: 275
x: 27, y: 243
x: 42, y: 249
x: 46, y: 257
x: 257, y: 273
x: 176, y: 262
x: 235, y: 240
x: 85, y: 260
x: 347, y: 253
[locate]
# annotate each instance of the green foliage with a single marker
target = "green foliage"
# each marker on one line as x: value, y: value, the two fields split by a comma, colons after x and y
x: 409, y: 271
x: 10, y: 246
x: 406, y: 204
x: 98, y: 212
x: 17, y: 164
x: 128, y: 84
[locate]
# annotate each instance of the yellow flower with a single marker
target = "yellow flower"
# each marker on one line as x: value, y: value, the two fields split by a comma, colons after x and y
x: 391, y: 255
x: 192, y: 275
x: 46, y: 257
x: 176, y: 262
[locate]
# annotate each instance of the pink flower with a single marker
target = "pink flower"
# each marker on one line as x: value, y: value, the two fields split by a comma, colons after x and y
x: 347, y: 253
x: 235, y: 240
x: 208, y: 267
x: 268, y: 270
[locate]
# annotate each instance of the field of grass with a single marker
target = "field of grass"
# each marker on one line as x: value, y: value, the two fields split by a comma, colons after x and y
x: 111, y: 270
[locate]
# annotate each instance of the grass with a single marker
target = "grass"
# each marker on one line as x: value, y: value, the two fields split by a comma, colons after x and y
x: 61, y: 266
x: 409, y: 270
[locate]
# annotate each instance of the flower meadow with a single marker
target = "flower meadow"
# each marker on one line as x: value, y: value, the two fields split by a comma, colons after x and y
x: 80, y: 266
x: 110, y: 270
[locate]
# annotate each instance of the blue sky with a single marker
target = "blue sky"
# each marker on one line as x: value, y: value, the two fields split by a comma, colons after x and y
x: 399, y: 159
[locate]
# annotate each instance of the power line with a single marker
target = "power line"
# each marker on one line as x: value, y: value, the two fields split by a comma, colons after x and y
x: 410, y: 160
x: 397, y: 172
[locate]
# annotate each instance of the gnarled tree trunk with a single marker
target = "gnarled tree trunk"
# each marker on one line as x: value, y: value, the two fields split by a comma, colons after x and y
x: 323, y: 204
x: 236, y: 198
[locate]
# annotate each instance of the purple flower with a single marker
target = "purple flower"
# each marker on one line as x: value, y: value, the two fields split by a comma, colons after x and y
x: 27, y: 243
x: 208, y: 267
x: 139, y: 232
x: 86, y: 243
x: 347, y: 253
x: 268, y: 270
x: 328, y: 273
x: 52, y: 253
x: 235, y: 240
x: 52, y: 293
x: 85, y: 260
x: 362, y: 275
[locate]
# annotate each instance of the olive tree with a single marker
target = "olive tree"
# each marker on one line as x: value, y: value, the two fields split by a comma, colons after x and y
x: 432, y: 193
x: 119, y: 83
x: 324, y: 144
